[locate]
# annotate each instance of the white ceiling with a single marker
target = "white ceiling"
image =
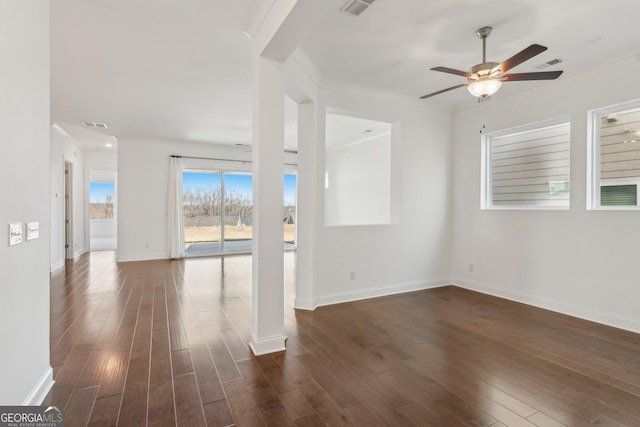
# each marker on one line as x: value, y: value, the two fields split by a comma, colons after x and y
x: 157, y: 68
x: 345, y: 130
x: 88, y: 138
x: 394, y: 43
x: 182, y: 69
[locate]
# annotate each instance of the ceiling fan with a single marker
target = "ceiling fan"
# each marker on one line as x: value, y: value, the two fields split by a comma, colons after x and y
x: 485, y: 79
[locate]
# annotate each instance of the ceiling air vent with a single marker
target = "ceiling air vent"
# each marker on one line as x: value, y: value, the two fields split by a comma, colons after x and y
x: 95, y: 125
x: 356, y: 7
x: 549, y: 64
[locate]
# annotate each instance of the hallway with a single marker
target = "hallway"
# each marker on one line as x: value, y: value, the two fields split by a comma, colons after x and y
x: 131, y: 334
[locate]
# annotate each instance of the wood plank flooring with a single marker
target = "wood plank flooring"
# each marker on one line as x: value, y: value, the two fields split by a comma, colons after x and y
x: 164, y: 343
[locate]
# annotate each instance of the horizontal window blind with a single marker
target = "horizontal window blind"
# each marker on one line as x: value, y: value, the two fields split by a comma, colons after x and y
x: 531, y: 168
x: 619, y: 195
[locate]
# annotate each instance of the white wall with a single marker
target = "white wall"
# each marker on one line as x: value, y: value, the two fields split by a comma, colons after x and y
x: 583, y: 263
x: 101, y: 159
x: 413, y: 252
x: 359, y: 176
x: 102, y: 229
x: 143, y: 179
x: 24, y: 269
x: 66, y: 148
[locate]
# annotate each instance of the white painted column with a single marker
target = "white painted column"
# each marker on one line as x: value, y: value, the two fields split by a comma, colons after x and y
x: 267, y: 326
x: 307, y: 208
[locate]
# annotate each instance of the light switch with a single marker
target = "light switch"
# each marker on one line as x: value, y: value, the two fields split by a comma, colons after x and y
x: 15, y: 233
x: 33, y: 230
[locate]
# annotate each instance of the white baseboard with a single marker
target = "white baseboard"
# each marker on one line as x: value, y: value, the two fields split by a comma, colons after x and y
x: 40, y: 390
x: 78, y: 253
x: 305, y: 304
x: 103, y: 243
x: 57, y: 265
x: 380, y: 292
x: 144, y: 257
x: 609, y: 319
x: 268, y: 345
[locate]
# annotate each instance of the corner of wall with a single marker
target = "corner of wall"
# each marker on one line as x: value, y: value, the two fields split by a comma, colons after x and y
x: 305, y: 304
x: 57, y: 265
x: 605, y: 318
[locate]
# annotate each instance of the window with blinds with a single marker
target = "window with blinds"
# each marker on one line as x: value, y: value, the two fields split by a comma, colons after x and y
x: 529, y: 167
x: 619, y: 195
x: 617, y: 139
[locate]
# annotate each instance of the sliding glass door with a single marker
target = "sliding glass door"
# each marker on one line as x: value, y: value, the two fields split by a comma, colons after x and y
x: 238, y: 211
x: 218, y: 212
x: 202, y: 208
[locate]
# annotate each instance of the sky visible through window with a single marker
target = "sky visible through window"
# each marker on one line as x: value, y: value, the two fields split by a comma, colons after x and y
x: 193, y: 180
x: 239, y: 183
x: 290, y: 189
x: 98, y: 191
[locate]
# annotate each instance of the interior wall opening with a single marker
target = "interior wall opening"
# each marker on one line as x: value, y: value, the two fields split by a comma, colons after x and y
x: 358, y: 171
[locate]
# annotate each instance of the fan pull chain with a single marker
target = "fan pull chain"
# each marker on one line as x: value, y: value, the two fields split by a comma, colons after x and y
x: 482, y: 117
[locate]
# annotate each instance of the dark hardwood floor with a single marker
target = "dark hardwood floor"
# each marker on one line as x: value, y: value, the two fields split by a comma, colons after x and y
x: 165, y: 343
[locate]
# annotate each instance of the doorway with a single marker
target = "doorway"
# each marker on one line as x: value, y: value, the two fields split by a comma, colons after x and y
x: 103, y: 225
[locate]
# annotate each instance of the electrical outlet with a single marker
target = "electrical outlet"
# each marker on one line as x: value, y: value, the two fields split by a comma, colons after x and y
x: 352, y: 275
x: 471, y: 268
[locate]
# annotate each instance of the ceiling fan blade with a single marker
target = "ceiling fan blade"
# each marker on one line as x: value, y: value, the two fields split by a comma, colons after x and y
x: 544, y: 75
x: 451, y: 71
x: 443, y: 91
x: 520, y: 57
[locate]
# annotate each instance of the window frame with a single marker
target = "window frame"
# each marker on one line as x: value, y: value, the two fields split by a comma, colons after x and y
x: 486, y: 191
x: 593, y: 157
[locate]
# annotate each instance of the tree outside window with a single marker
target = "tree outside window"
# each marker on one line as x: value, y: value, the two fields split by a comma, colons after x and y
x: 101, y: 200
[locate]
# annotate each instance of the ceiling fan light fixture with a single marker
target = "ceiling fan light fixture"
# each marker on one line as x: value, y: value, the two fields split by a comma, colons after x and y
x: 484, y: 88
x: 484, y: 79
